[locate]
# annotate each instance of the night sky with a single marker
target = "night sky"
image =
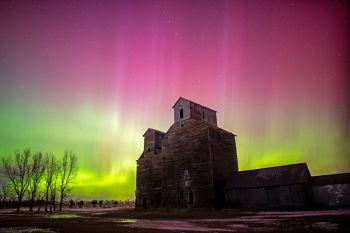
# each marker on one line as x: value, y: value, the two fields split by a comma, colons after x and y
x: 92, y: 76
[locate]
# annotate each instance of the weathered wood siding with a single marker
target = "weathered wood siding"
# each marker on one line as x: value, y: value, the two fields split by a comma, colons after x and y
x: 185, y: 106
x: 186, y: 167
x: 149, y: 140
x: 296, y: 195
x: 152, y: 141
x: 203, y: 114
x: 148, y: 174
x: 185, y: 149
x: 332, y: 195
x: 148, y: 181
x: 223, y: 157
x: 194, y: 111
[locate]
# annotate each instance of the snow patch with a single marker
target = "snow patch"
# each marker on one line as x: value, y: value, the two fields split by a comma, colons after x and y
x: 326, y: 226
x: 297, y: 214
x: 26, y: 230
x: 175, y: 225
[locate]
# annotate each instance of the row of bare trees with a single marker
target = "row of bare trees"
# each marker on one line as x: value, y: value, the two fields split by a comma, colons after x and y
x: 28, y: 173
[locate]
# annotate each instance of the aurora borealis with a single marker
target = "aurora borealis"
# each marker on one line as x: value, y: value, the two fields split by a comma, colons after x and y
x: 92, y: 76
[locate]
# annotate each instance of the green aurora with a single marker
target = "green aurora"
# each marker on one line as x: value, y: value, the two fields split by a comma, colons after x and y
x: 93, y: 77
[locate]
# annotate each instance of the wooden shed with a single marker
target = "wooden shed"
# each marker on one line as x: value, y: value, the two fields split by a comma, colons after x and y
x: 331, y: 190
x: 282, y: 186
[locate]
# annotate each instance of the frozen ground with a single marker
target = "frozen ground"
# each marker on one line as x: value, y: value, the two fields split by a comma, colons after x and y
x: 128, y: 220
x: 78, y: 210
x: 25, y: 230
x: 175, y: 225
x: 261, y: 221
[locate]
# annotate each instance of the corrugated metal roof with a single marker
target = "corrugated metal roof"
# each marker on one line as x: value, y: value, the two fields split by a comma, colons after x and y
x: 272, y: 176
x: 342, y: 178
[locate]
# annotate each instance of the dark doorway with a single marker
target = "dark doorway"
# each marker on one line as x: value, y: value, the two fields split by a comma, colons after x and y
x: 190, y: 197
x: 181, y: 113
x: 144, y: 203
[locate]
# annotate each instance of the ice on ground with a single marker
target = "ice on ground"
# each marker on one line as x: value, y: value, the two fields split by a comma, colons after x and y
x: 175, y: 225
x: 243, y: 219
x: 268, y: 220
x: 239, y: 226
x: 296, y: 214
x: 326, y: 226
x: 91, y: 210
x: 7, y: 211
x: 26, y: 230
x: 98, y: 213
x: 253, y: 219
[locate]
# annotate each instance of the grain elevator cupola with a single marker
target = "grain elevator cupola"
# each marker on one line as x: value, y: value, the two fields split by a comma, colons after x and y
x: 185, y: 109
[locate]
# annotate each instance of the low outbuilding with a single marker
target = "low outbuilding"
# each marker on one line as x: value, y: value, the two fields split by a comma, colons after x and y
x: 331, y: 190
x: 282, y: 186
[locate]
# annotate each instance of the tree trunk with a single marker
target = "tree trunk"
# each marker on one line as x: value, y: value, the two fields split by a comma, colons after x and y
x: 39, y: 206
x: 54, y: 202
x: 18, y: 205
x: 31, y: 206
x: 61, y: 201
x: 47, y: 198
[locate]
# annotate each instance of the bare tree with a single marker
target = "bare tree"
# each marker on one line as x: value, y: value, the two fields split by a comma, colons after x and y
x: 94, y: 203
x: 54, y: 185
x: 50, y: 177
x: 19, y: 173
x: 38, y: 169
x: 40, y: 201
x: 4, y: 193
x: 68, y: 173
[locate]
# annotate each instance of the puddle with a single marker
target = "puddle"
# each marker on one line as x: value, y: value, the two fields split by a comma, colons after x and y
x: 98, y: 213
x: 239, y: 226
x: 64, y: 216
x: 26, y: 230
x: 126, y: 220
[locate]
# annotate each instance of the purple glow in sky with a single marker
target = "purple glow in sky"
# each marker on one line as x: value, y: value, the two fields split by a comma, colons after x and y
x: 94, y: 75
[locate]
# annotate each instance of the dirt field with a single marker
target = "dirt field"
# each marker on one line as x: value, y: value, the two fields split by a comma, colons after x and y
x: 128, y: 220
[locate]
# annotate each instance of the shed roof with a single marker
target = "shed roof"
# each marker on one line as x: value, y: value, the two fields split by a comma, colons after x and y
x: 193, y: 103
x: 272, y: 176
x: 342, y: 178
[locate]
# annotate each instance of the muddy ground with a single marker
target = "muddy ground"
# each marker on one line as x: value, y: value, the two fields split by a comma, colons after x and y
x: 128, y: 220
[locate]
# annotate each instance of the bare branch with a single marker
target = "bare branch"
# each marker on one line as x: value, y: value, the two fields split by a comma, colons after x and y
x: 19, y: 172
x: 68, y: 173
